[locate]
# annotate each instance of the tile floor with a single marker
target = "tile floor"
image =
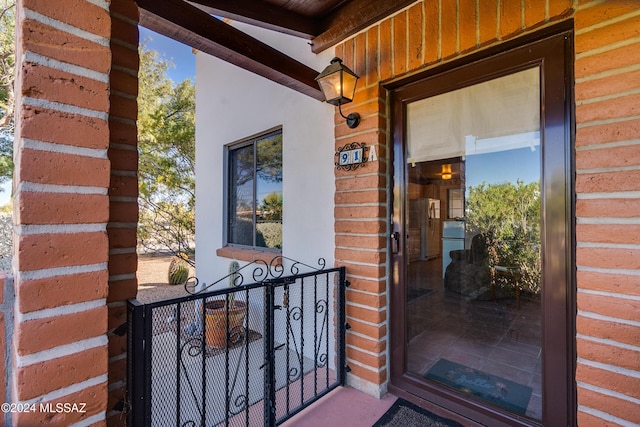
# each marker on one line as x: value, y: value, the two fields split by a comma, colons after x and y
x: 492, y: 336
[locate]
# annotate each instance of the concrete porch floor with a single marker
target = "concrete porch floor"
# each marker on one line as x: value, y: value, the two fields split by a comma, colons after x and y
x: 344, y: 406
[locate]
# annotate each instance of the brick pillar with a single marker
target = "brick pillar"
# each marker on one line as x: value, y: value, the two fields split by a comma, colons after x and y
x: 361, y: 230
x: 61, y: 208
x: 123, y: 194
x: 607, y: 92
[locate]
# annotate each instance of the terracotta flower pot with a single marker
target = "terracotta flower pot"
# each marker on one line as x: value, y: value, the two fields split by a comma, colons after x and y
x: 217, y: 331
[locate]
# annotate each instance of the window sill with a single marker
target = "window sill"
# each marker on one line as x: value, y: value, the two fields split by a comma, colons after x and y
x: 243, y: 254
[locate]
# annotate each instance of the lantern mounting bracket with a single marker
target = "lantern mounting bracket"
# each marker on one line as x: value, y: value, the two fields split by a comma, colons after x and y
x: 353, y: 119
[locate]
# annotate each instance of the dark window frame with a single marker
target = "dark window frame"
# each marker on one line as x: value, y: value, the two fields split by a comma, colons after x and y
x: 228, y: 182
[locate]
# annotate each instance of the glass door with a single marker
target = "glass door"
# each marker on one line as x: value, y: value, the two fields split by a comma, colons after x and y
x: 473, y: 304
x: 471, y: 282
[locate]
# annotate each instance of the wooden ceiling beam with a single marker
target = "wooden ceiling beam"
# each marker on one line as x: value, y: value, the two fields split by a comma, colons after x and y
x: 354, y: 16
x: 263, y: 15
x: 189, y: 25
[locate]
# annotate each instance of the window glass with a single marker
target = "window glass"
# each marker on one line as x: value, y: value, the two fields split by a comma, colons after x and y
x: 255, y: 192
x: 241, y: 198
x: 456, y: 203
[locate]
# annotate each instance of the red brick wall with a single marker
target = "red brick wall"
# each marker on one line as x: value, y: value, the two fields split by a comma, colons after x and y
x: 61, y: 208
x: 607, y: 92
x: 607, y: 41
x: 123, y: 193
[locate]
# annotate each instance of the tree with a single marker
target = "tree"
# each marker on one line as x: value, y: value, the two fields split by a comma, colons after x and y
x: 7, y: 77
x: 509, y: 216
x: 166, y: 144
x: 268, y: 165
x: 272, y: 207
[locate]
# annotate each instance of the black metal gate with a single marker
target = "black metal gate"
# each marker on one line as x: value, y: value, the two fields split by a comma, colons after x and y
x: 281, y: 348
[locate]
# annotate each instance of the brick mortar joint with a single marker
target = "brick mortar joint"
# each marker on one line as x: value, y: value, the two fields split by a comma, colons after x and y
x: 36, y: 58
x: 353, y: 135
x: 361, y: 291
x: 31, y: 14
x: 362, y: 175
x: 382, y: 353
x: 605, y: 23
x: 368, y: 367
x: 382, y: 309
x: 369, y: 251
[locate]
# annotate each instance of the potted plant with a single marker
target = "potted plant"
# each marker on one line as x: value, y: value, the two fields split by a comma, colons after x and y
x: 218, y: 333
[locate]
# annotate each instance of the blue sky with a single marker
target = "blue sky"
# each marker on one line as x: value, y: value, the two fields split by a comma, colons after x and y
x: 180, y: 54
x: 503, y: 166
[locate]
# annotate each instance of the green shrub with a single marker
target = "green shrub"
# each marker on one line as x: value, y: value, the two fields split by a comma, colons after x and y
x: 271, y: 233
x: 242, y: 233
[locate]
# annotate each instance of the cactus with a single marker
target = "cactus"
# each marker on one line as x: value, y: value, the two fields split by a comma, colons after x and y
x: 234, y: 266
x: 178, y: 271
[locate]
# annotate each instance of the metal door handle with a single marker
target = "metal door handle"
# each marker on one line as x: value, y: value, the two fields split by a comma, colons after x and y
x: 395, y: 242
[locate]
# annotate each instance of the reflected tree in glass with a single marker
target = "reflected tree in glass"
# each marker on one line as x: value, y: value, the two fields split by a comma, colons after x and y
x: 508, y: 216
x: 256, y: 172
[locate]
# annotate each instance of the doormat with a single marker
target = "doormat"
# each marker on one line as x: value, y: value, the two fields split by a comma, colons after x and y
x: 499, y: 391
x: 405, y: 414
x: 415, y: 293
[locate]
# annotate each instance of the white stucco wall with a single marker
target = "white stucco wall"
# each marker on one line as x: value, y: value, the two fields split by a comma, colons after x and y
x: 232, y: 104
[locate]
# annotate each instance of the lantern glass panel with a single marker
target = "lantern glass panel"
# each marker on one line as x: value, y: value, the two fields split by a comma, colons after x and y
x: 348, y: 87
x: 330, y: 86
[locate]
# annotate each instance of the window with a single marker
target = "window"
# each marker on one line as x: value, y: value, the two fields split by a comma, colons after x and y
x: 254, y: 192
x: 456, y: 203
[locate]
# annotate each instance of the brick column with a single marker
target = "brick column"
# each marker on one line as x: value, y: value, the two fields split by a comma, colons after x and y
x: 123, y: 194
x: 607, y: 92
x: 361, y: 228
x: 61, y: 208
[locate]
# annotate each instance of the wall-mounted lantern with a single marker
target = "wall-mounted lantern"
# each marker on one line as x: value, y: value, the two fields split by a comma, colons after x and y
x: 338, y: 85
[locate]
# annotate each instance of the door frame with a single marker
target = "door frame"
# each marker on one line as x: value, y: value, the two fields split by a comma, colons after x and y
x: 552, y: 50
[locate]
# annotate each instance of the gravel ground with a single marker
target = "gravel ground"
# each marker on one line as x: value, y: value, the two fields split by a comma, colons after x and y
x: 152, y: 279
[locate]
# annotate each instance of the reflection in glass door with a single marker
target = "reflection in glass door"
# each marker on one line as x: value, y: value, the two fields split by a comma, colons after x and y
x: 473, y: 243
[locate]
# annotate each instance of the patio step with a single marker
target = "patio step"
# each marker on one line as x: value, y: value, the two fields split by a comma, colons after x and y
x: 344, y: 406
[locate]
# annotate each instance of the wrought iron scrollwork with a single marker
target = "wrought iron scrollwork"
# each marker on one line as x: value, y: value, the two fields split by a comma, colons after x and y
x: 295, y: 314
x: 262, y: 272
x: 194, y: 347
x: 322, y: 308
x: 240, y: 404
